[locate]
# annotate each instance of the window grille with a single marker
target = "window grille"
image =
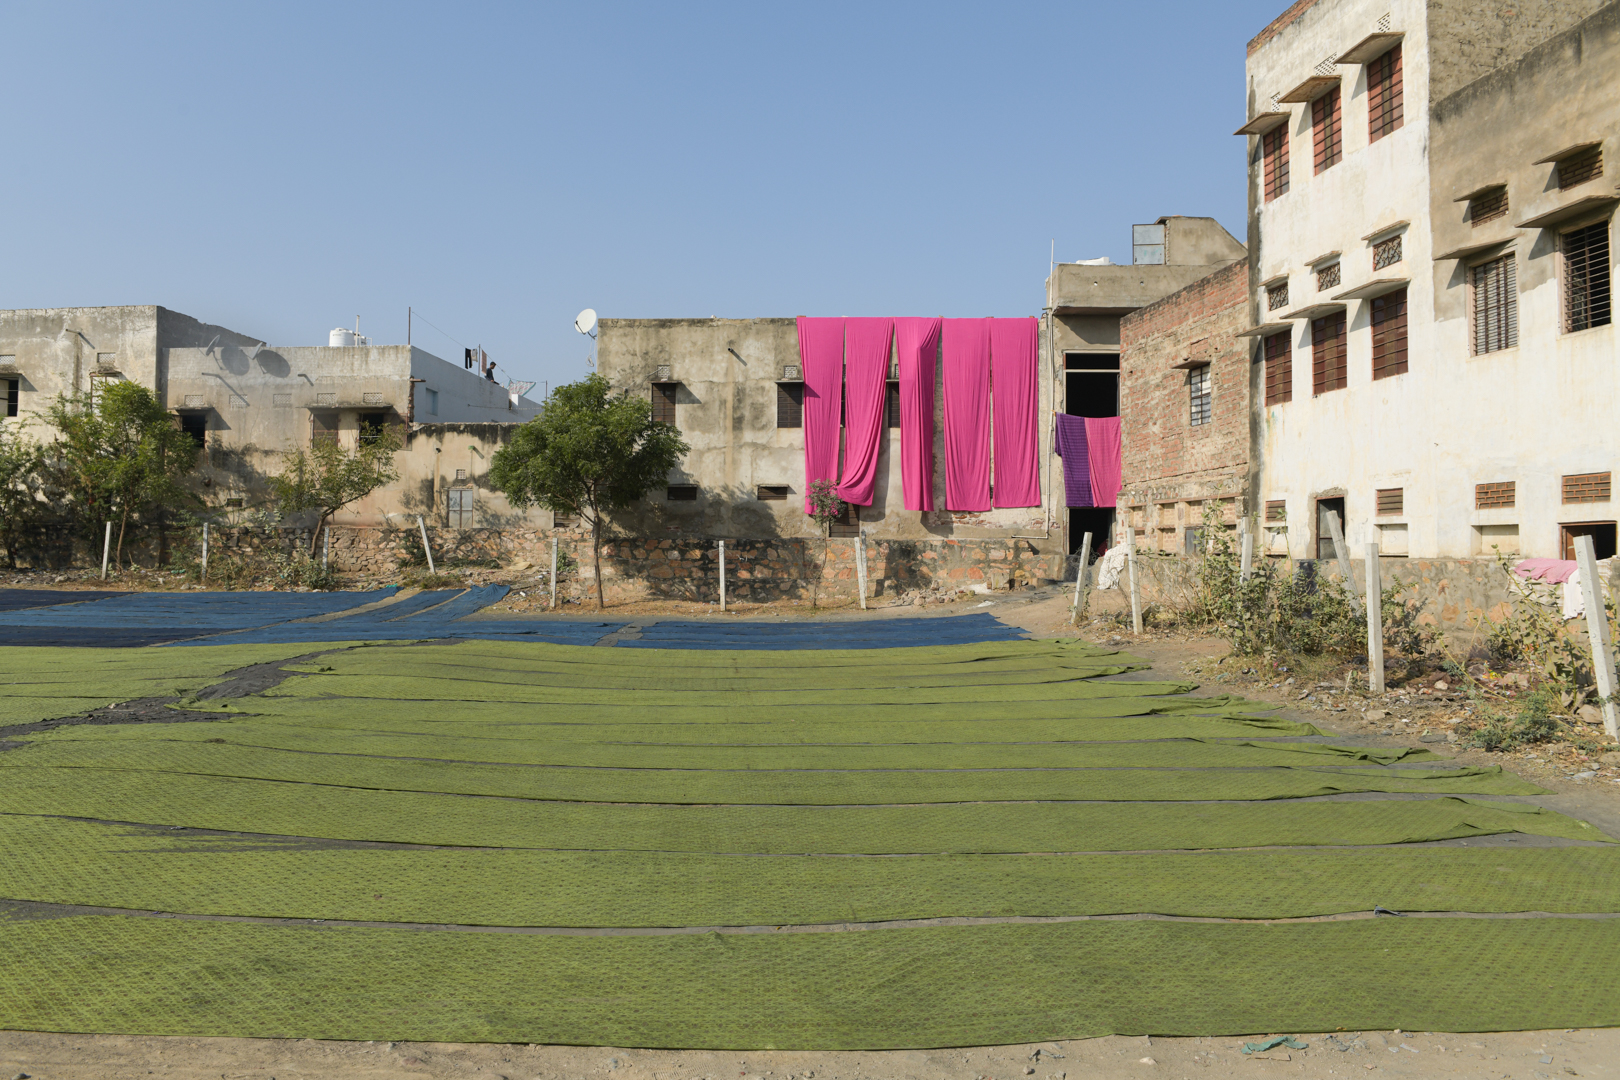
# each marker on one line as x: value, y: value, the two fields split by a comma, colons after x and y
x: 1326, y: 132
x: 371, y: 398
x: 280, y: 400
x: 1276, y: 511
x: 1491, y: 205
x: 1579, y: 167
x: 1494, y: 496
x: 1328, y: 277
x: 196, y: 401
x: 682, y: 493
x: 1274, y: 146
x: 13, y: 395
x: 1495, y: 297
x: 1279, y: 367
x: 1586, y: 277
x: 663, y: 402
x: 1389, y: 334
x: 1384, y: 109
x: 1329, y: 368
x: 891, y: 404
x: 1198, y: 391
x: 1386, y: 253
x: 326, y: 399
x: 1277, y: 296
x: 1586, y: 488
x: 772, y: 492
x: 789, y: 404
x: 1391, y: 501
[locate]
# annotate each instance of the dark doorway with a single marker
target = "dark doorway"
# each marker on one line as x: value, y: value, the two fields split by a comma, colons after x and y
x: 1096, y: 520
x: 1601, y: 532
x: 1091, y: 384
x: 1324, y: 531
x: 195, y: 424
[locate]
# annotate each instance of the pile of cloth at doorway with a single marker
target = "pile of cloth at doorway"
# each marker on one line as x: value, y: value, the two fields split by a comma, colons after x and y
x: 1542, y: 574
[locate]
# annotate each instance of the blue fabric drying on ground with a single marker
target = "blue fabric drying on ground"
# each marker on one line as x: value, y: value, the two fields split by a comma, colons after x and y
x: 18, y: 599
x: 133, y: 619
x: 852, y: 634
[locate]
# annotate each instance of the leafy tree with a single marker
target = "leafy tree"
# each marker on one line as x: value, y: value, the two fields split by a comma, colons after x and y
x: 121, y: 454
x: 589, y: 452
x: 328, y: 477
x: 22, y: 466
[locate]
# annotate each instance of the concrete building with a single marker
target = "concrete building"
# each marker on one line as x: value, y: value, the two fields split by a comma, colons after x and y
x: 1431, y: 194
x: 246, y: 403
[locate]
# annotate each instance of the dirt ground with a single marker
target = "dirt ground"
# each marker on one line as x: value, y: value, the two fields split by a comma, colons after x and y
x: 1580, y: 786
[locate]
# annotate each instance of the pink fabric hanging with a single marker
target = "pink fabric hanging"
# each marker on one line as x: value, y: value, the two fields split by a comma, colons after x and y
x: 821, y: 352
x: 866, y: 369
x: 967, y: 414
x: 1102, y: 439
x: 1014, y: 399
x: 918, y: 343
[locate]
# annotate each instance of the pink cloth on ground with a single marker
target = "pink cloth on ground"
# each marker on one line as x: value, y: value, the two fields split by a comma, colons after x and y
x: 1102, y: 443
x: 866, y: 371
x: 917, y: 341
x: 821, y: 353
x: 1013, y: 398
x: 1552, y: 571
x: 967, y: 414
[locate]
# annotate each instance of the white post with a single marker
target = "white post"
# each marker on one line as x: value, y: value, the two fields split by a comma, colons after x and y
x: 722, y: 575
x: 106, y: 545
x: 1130, y: 565
x: 860, y: 565
x: 1343, y: 553
x: 553, y: 571
x: 205, y: 553
x: 326, y: 547
x: 425, y: 548
x: 1247, y: 565
x: 1375, y: 622
x: 1080, y: 579
x: 1597, y: 630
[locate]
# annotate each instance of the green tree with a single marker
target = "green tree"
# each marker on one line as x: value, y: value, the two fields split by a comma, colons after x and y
x: 121, y: 454
x: 589, y: 452
x: 22, y: 468
x: 328, y: 477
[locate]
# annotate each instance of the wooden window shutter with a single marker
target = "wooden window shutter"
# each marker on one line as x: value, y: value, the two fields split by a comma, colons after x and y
x: 1329, y: 367
x: 663, y: 402
x: 891, y: 404
x: 1280, y: 368
x: 1274, y: 147
x: 789, y: 404
x: 1495, y: 296
x: 1579, y: 167
x: 1391, y: 502
x: 1389, y: 334
x: 1384, y: 109
x: 1327, y: 135
x: 1276, y: 510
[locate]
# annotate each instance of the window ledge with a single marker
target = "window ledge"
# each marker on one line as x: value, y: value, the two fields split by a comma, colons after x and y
x: 1590, y: 204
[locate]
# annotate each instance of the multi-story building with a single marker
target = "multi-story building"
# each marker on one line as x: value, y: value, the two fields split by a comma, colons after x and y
x: 1431, y: 192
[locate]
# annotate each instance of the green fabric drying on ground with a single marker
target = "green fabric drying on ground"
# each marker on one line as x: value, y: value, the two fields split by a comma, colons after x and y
x: 946, y: 986
x: 752, y: 787
x: 154, y: 868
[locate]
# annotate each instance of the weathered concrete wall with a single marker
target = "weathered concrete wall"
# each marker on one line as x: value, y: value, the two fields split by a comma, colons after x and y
x: 1167, y: 461
x: 1472, y: 39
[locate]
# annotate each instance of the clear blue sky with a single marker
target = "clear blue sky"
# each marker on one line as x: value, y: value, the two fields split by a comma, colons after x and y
x: 283, y: 167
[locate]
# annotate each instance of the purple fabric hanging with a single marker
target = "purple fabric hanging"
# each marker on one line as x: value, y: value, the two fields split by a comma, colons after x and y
x: 917, y: 341
x: 1013, y: 398
x: 821, y: 352
x: 967, y: 414
x: 1069, y: 439
x: 866, y: 370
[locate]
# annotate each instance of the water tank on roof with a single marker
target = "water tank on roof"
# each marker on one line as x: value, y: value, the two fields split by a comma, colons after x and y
x: 341, y: 338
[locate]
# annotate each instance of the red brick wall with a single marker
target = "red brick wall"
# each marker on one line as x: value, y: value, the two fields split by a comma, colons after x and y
x: 1165, y: 459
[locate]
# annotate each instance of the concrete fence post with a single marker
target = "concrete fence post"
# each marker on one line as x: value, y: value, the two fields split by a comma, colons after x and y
x: 326, y: 547
x: 1375, y: 622
x: 205, y: 553
x: 553, y: 571
x: 1080, y: 579
x: 1246, y: 566
x: 106, y: 546
x: 427, y: 549
x: 1597, y: 630
x: 860, y: 566
x: 1130, y: 566
x: 722, y: 575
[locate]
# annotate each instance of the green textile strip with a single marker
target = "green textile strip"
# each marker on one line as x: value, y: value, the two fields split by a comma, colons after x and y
x: 754, y: 787
x: 945, y: 986
x: 56, y: 860
x: 264, y: 806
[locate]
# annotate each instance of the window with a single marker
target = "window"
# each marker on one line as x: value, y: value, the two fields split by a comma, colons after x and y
x: 1329, y: 368
x: 433, y: 402
x: 1277, y: 296
x: 371, y: 397
x: 1274, y: 148
x: 663, y: 402
x: 1586, y: 488
x: 1326, y: 508
x: 1386, y: 253
x: 1389, y: 334
x: 458, y: 508
x: 891, y: 404
x: 1579, y: 167
x: 789, y: 404
x: 1391, y: 501
x: 1198, y: 394
x: 847, y: 523
x: 194, y: 424
x: 282, y: 401
x: 1384, y: 111
x: 1329, y: 277
x: 1327, y: 136
x: 1192, y: 540
x: 1586, y: 277
x: 372, y: 426
x: 1147, y: 245
x: 1497, y: 495
x: 771, y: 492
x: 1495, y: 296
x: 562, y: 519
x: 681, y: 493
x: 1280, y: 368
x: 1276, y: 511
x: 98, y: 386
x: 1601, y: 532
x: 10, y: 386
x: 1487, y: 206
x: 323, y: 427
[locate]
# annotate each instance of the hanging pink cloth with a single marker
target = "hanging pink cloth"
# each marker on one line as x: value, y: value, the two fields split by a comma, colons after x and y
x: 1102, y: 443
x: 917, y: 341
x: 967, y: 414
x: 821, y: 353
x: 1014, y: 401
x: 866, y: 370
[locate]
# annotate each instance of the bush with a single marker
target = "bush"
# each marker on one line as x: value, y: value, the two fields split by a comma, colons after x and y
x: 1533, y: 723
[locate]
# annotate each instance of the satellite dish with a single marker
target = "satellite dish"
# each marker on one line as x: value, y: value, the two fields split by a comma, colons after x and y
x: 585, y: 321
